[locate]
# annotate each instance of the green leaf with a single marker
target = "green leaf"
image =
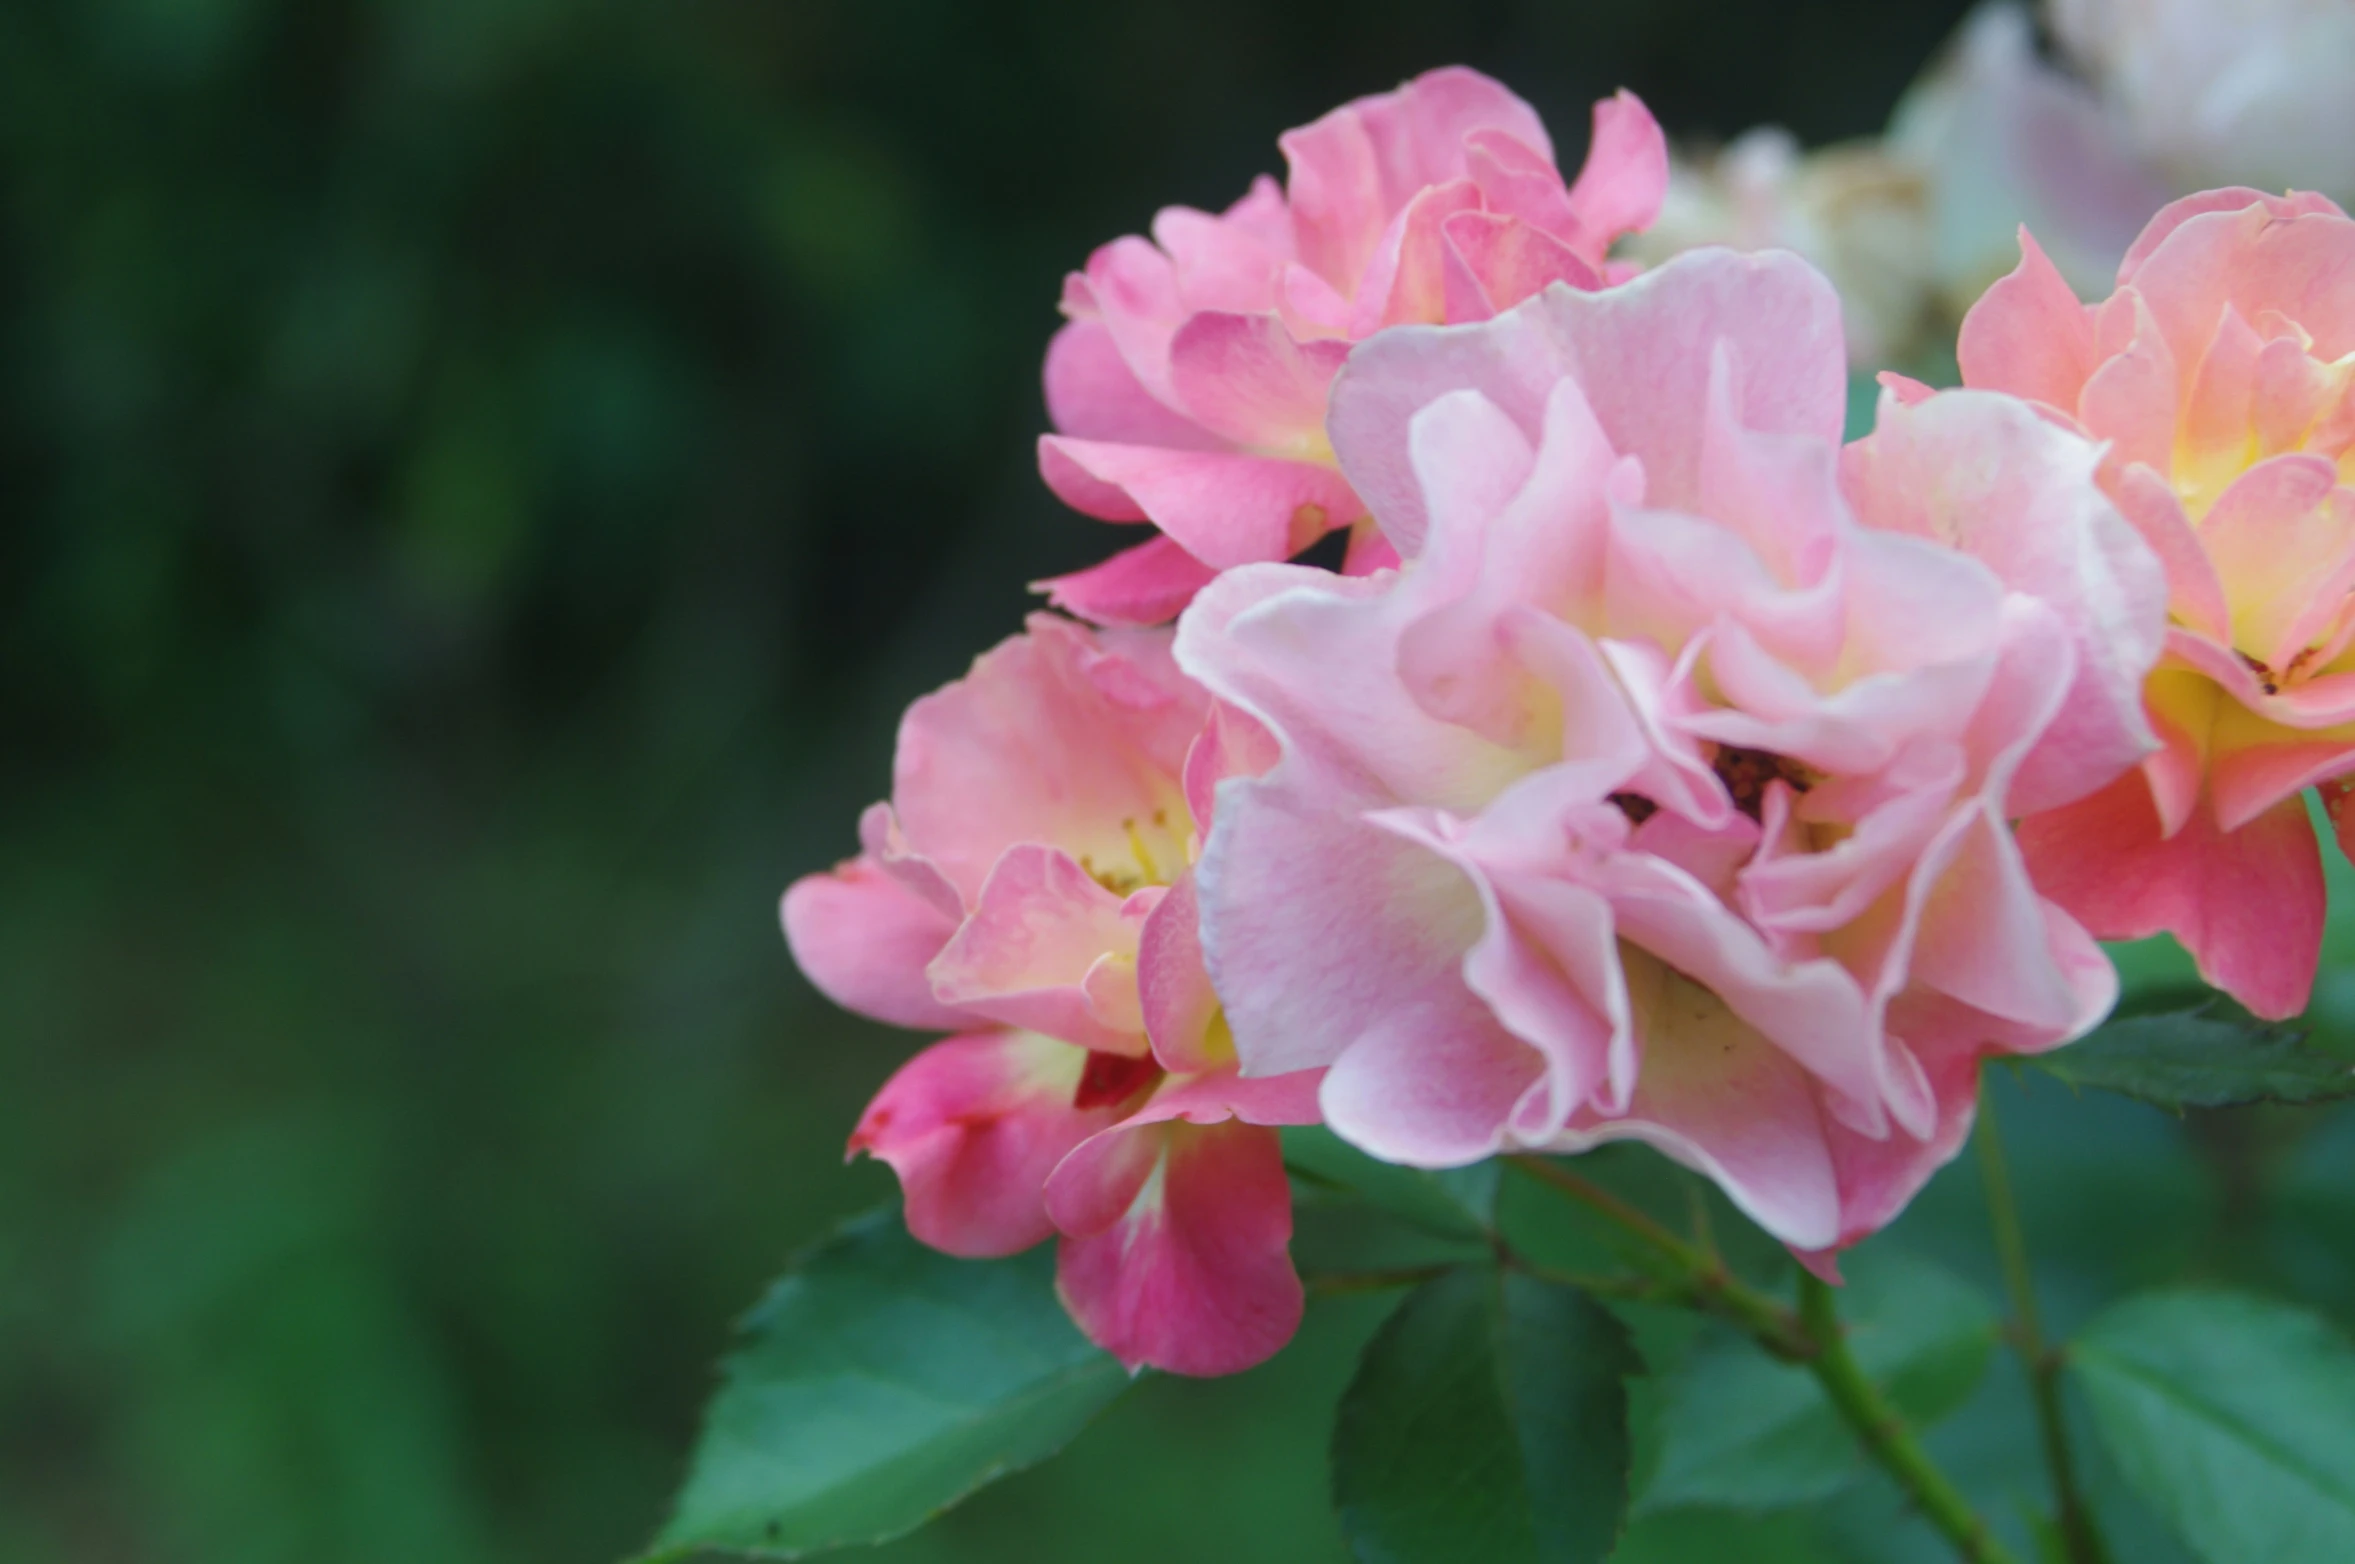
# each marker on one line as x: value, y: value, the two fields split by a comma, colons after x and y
x: 879, y: 1383
x: 1456, y: 1203
x: 1744, y: 1431
x: 1487, y: 1424
x: 2202, y: 1058
x: 2232, y: 1417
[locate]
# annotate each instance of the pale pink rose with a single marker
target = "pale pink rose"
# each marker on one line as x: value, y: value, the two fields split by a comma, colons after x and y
x: 1030, y: 887
x: 2219, y: 374
x: 1188, y: 389
x: 1662, y: 794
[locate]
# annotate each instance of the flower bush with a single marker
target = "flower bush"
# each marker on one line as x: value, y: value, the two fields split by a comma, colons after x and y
x: 1656, y: 768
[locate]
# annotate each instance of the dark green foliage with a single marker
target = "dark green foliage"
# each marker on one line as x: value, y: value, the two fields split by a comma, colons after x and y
x: 1487, y: 1425
x: 1743, y: 1431
x: 878, y: 1384
x: 2232, y: 1417
x: 2203, y: 1057
x: 1459, y: 1204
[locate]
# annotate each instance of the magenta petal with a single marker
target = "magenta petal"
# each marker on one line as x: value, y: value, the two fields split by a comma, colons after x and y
x: 1149, y: 584
x: 1334, y: 182
x: 1176, y: 1246
x: 864, y: 940
x: 973, y: 1126
x: 2248, y: 905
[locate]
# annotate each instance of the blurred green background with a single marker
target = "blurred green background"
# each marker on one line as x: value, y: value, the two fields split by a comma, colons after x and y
x: 480, y: 479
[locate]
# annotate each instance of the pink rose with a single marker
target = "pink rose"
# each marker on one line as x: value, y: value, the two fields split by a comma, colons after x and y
x: 1030, y: 888
x: 2219, y: 374
x: 1662, y: 793
x: 1189, y: 386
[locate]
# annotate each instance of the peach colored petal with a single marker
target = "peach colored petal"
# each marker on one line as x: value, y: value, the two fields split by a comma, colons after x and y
x: 2029, y: 336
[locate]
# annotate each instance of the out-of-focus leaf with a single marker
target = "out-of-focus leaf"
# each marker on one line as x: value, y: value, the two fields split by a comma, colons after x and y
x: 2233, y: 1417
x: 2202, y: 1058
x: 879, y: 1383
x: 1455, y: 1203
x: 1745, y: 1431
x: 1487, y: 1424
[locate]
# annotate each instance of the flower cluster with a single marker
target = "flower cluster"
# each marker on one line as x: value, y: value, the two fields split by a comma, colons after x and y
x: 1657, y: 768
x: 1189, y: 387
x: 2221, y: 375
x: 1029, y: 887
x: 1663, y: 794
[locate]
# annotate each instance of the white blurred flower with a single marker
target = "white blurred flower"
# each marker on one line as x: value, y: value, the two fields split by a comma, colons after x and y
x: 1857, y: 213
x: 2002, y: 138
x: 2167, y: 97
x: 2226, y: 92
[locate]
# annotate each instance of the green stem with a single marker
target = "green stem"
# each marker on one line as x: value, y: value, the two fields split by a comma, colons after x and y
x: 1886, y: 1435
x: 1683, y: 1271
x: 1686, y: 1273
x: 2043, y: 1364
